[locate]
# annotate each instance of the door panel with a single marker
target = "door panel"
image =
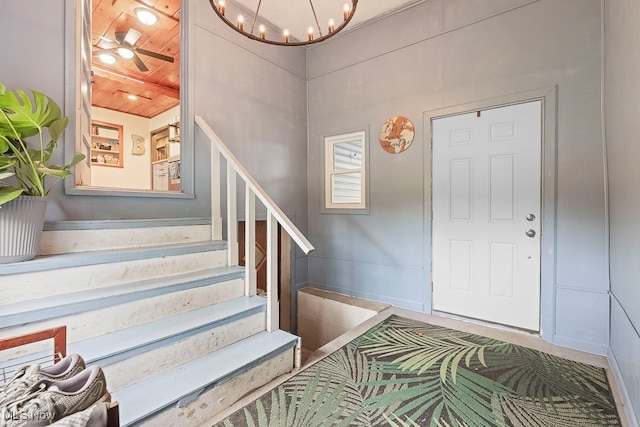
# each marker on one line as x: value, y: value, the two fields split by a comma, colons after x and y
x: 503, y: 188
x: 486, y: 181
x: 461, y: 197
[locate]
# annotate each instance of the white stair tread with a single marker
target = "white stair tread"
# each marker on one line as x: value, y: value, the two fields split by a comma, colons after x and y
x: 153, y: 394
x: 140, y: 338
x: 64, y: 304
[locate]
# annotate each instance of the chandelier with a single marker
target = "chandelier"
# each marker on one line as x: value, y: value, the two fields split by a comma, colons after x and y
x: 315, y: 33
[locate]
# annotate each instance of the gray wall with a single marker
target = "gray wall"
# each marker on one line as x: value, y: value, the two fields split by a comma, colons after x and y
x: 440, y: 54
x: 253, y: 96
x: 622, y: 103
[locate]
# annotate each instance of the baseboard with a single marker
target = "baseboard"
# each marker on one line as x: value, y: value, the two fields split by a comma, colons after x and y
x: 625, y: 399
x: 589, y: 347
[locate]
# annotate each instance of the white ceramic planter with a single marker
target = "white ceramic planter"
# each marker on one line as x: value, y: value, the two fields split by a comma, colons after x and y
x: 21, y: 224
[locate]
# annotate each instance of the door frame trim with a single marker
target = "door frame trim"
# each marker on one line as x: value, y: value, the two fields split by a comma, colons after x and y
x: 548, y: 257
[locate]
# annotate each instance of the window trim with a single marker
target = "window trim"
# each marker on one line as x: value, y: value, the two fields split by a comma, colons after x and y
x: 328, y: 172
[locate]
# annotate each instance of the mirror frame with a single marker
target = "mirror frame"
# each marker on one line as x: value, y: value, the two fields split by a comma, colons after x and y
x: 73, y: 30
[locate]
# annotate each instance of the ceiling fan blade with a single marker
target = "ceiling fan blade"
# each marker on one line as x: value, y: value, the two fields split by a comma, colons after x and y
x: 101, y: 42
x: 136, y: 59
x: 132, y: 37
x: 155, y: 55
x: 99, y: 51
x: 103, y: 37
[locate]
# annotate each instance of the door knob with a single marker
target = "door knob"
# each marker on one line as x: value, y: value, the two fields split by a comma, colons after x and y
x: 530, y: 217
x: 531, y: 233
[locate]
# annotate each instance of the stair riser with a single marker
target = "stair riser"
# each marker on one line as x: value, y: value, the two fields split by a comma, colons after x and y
x: 105, y: 320
x: 136, y: 368
x: 221, y: 396
x: 67, y: 241
x: 53, y: 282
x: 154, y: 303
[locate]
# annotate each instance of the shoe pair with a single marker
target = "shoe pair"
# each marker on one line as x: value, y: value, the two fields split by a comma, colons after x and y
x: 40, y: 396
x: 24, y: 378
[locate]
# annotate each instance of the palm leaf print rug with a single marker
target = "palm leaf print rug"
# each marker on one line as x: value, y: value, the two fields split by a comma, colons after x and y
x: 404, y: 372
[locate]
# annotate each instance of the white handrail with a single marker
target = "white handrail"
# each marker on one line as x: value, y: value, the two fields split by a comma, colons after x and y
x: 275, y: 216
x: 232, y: 161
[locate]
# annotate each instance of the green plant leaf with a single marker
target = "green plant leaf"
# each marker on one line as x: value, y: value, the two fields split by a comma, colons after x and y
x: 57, y: 127
x: 26, y: 116
x: 56, y: 171
x: 6, y: 162
x: 4, y: 144
x: 22, y: 116
x: 9, y: 193
x: 77, y: 158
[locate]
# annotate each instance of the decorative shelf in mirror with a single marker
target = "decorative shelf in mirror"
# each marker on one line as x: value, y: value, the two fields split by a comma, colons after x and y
x: 106, y: 144
x: 174, y: 132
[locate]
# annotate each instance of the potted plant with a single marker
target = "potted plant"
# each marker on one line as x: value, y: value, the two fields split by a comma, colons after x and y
x: 25, y: 168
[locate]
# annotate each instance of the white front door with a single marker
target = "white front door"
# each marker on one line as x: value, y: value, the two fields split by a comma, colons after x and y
x: 486, y: 215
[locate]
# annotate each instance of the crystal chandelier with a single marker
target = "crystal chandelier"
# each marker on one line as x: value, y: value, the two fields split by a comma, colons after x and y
x: 315, y: 33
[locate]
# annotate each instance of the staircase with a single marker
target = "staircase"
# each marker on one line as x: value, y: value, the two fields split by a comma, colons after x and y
x: 161, y: 305
x: 157, y: 306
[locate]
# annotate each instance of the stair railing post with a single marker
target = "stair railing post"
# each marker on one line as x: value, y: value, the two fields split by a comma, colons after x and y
x: 232, y: 217
x: 273, y: 308
x: 250, y: 276
x: 216, y: 218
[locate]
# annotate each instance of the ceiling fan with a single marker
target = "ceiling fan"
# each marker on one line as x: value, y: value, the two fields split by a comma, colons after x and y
x: 125, y: 46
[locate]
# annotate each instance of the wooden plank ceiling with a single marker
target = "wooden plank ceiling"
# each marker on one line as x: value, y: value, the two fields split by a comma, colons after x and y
x: 158, y: 89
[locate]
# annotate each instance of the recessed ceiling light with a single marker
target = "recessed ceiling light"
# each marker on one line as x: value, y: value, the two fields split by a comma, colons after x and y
x: 125, y: 52
x: 107, y: 58
x: 146, y: 16
x: 132, y: 97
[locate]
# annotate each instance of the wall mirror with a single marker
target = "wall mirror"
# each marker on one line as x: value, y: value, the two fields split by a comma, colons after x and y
x: 130, y: 77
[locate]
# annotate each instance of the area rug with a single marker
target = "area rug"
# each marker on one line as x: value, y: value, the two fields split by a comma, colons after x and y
x: 403, y: 372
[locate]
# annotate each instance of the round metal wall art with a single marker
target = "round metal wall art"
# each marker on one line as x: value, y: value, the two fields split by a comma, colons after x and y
x: 396, y: 134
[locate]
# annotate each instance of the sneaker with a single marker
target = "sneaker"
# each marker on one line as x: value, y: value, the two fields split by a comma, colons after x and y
x: 49, y: 401
x: 97, y: 415
x: 24, y: 378
x: 103, y: 414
